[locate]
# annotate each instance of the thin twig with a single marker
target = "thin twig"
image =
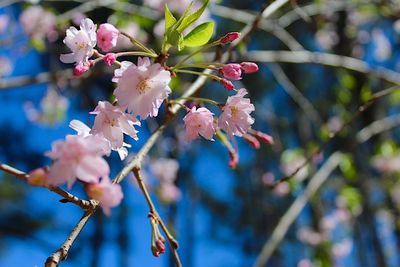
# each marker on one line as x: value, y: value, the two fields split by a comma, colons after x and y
x: 316, y: 181
x: 67, y: 197
x: 136, y: 162
x: 334, y: 135
x: 171, y: 240
x: 291, y: 214
x: 323, y: 59
x: 296, y: 95
x: 62, y: 253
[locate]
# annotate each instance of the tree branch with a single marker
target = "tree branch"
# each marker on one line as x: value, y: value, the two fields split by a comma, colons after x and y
x: 323, y: 59
x: 291, y: 214
x: 62, y: 253
x: 84, y: 204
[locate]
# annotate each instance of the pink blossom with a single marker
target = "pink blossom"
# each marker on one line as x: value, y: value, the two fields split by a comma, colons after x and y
x: 199, y: 122
x: 80, y: 42
x: 165, y: 169
x: 80, y: 69
x: 230, y: 37
x: 108, y: 194
x: 77, y: 157
x: 227, y: 84
x: 107, y: 36
x: 231, y: 71
x: 111, y: 123
x: 53, y: 108
x: 168, y: 193
x: 110, y: 58
x: 249, y: 67
x: 84, y: 131
x: 6, y: 66
x: 37, y: 177
x: 235, y: 118
x: 142, y: 88
x: 37, y: 22
x: 4, y: 21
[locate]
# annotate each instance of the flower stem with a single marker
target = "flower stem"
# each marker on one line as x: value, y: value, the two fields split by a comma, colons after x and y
x: 212, y: 76
x: 136, y: 53
x: 200, y: 99
x: 139, y: 44
x: 196, y: 52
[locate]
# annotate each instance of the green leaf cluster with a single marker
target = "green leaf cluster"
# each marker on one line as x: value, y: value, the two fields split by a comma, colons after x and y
x: 174, y: 28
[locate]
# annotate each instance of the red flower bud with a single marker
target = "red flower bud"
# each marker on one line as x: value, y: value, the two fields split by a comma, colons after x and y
x: 231, y: 71
x: 252, y: 141
x: 80, y: 69
x: 110, y: 58
x: 229, y: 37
x: 227, y: 84
x: 249, y: 67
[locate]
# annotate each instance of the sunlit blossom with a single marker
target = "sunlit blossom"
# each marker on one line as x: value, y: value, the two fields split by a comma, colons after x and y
x: 142, y: 88
x: 236, y: 119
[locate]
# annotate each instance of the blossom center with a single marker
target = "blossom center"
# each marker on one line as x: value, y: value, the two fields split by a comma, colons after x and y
x: 143, y: 86
x: 234, y: 111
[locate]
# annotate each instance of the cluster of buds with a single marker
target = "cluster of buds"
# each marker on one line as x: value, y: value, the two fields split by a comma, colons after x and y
x: 157, y: 240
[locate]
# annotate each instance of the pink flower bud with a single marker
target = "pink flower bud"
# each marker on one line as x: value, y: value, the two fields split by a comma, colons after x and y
x: 234, y: 159
x: 107, y: 36
x: 227, y: 84
x: 252, y: 141
x: 80, y: 69
x: 110, y: 58
x: 249, y: 67
x: 230, y: 37
x: 263, y: 137
x: 231, y: 71
x: 37, y: 177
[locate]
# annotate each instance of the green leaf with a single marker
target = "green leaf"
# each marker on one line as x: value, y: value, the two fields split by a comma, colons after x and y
x: 188, y: 20
x: 199, y: 35
x: 170, y: 20
x: 175, y: 38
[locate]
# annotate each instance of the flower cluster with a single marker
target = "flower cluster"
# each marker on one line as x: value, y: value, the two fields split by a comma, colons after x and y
x: 141, y: 89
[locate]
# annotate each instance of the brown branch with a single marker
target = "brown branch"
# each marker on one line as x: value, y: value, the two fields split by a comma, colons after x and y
x: 67, y: 197
x: 375, y: 97
x: 62, y: 253
x: 323, y: 59
x: 135, y: 164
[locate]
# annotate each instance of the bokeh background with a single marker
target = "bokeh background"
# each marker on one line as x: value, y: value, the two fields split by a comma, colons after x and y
x: 221, y: 217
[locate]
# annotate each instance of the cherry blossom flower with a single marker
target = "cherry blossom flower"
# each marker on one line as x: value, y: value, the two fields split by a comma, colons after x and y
x: 36, y: 22
x: 53, y: 108
x: 80, y: 42
x: 168, y: 193
x: 77, y: 157
x: 107, y: 36
x: 111, y: 123
x: 231, y: 71
x: 165, y: 169
x: 4, y: 21
x: 37, y: 177
x: 84, y: 131
x: 235, y: 118
x: 6, y: 66
x: 142, y: 89
x: 108, y: 194
x: 199, y: 122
